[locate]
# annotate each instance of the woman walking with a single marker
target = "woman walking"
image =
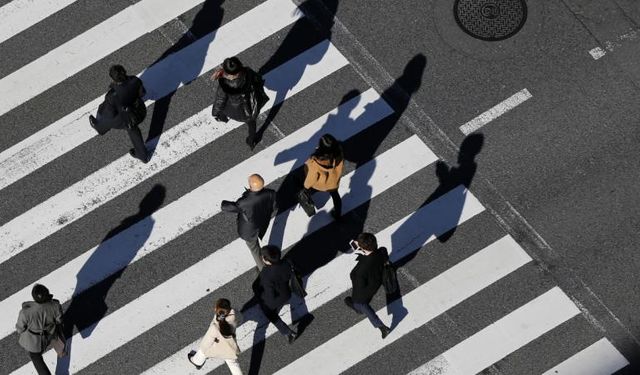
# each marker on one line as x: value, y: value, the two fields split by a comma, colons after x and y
x: 324, y: 170
x: 220, y: 339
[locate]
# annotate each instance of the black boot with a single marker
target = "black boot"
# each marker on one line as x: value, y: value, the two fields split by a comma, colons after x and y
x: 384, y: 330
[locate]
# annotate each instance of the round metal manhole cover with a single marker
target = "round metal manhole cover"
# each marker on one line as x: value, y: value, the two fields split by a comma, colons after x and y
x: 490, y: 20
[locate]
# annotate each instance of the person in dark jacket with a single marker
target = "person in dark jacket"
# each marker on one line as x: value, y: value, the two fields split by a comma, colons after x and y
x: 240, y: 96
x: 255, y: 208
x: 274, y: 290
x: 123, y: 108
x: 366, y: 278
x: 39, y: 324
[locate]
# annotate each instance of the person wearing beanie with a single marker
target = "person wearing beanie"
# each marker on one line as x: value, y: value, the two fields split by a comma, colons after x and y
x: 274, y: 290
x: 240, y: 96
x: 254, y: 208
x: 323, y: 171
x: 40, y: 325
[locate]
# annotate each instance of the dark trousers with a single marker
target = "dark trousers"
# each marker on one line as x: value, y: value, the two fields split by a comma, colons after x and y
x: 254, y: 247
x: 38, y: 363
x: 251, y: 125
x: 366, y: 309
x: 138, y: 144
x: 337, y: 200
x: 274, y: 317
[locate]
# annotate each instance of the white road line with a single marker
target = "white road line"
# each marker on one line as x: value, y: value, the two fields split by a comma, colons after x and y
x: 19, y: 15
x: 504, y: 336
x: 178, y: 142
x: 609, y: 46
x: 73, y: 129
x: 87, y: 48
x: 404, y: 237
x: 423, y: 304
x: 597, y: 53
x: 188, y: 211
x: 225, y: 264
x: 495, y: 112
x: 600, y: 358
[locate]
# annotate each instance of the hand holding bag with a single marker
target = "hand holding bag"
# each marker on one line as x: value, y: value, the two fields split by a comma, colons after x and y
x: 304, y: 198
x: 390, y: 278
x: 295, y: 283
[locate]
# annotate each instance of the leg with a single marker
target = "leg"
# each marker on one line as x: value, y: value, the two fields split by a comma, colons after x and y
x: 366, y: 309
x: 274, y: 318
x: 254, y: 248
x: 251, y: 137
x: 199, y: 358
x: 337, y: 203
x: 39, y: 364
x: 234, y: 366
x: 138, y: 144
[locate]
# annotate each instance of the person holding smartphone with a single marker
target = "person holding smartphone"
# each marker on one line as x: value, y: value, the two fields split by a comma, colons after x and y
x: 366, y: 278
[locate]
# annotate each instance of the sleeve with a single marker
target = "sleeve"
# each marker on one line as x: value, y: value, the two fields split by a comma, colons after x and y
x: 220, y: 101
x: 229, y: 206
x: 21, y: 325
x: 141, y: 91
x: 58, y: 316
x: 311, y: 177
x: 274, y: 207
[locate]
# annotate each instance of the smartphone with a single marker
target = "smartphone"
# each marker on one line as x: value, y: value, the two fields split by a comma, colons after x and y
x: 354, y: 245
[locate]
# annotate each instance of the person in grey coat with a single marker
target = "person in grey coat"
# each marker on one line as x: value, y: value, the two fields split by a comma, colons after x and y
x: 240, y: 96
x: 255, y: 208
x: 40, y: 323
x: 123, y: 108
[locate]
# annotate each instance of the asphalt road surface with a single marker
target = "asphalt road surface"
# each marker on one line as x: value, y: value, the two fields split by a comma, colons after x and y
x: 500, y: 175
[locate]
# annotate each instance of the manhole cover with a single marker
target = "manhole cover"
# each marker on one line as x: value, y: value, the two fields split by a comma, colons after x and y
x: 490, y: 19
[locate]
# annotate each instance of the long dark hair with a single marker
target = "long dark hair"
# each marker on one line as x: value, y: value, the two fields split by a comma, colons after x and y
x: 222, y: 309
x: 329, y: 149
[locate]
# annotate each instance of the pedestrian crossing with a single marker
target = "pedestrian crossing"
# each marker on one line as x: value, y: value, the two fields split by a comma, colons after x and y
x: 383, y: 192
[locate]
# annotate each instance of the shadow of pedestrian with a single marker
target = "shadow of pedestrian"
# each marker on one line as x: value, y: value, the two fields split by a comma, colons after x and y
x: 193, y: 47
x: 298, y: 36
x: 88, y: 307
x: 443, y: 219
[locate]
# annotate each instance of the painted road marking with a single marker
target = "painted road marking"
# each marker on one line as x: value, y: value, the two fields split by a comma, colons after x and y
x: 609, y: 46
x: 73, y: 129
x: 504, y: 336
x: 224, y: 265
x: 19, y: 15
x: 188, y: 211
x: 403, y: 237
x: 495, y: 112
x: 178, y: 142
x: 600, y: 358
x: 423, y: 304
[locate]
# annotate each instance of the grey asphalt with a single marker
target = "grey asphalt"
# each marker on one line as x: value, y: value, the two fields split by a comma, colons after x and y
x: 557, y: 173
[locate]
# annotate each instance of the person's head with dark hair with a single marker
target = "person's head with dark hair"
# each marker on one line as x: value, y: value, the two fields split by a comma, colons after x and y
x: 222, y: 310
x: 41, y: 294
x: 328, y: 148
x: 117, y: 73
x: 232, y: 66
x: 271, y: 254
x: 367, y: 241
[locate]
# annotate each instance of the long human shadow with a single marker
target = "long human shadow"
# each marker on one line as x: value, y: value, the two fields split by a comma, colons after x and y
x: 88, y: 306
x: 443, y: 219
x: 194, y: 44
x: 297, y: 36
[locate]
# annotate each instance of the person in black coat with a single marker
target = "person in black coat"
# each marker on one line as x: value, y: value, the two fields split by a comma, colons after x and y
x: 255, y: 208
x: 240, y: 96
x: 123, y: 108
x: 366, y: 278
x: 274, y: 290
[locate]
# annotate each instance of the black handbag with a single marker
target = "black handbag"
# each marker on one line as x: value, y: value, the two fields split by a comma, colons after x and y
x: 390, y: 278
x: 295, y: 283
x: 304, y: 198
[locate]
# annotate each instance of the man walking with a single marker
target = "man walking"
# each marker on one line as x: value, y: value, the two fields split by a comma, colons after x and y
x: 39, y: 324
x: 240, y: 96
x: 366, y: 277
x: 274, y: 290
x: 123, y: 108
x: 255, y: 208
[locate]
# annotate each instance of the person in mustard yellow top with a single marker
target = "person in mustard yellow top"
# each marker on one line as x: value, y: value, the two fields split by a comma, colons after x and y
x: 324, y: 170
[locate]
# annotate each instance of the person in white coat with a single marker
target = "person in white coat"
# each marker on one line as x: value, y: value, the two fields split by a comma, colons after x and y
x: 220, y: 339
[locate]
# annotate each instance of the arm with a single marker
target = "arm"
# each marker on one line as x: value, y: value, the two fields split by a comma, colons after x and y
x: 229, y: 206
x: 274, y: 207
x: 142, y: 91
x: 21, y: 325
x: 219, y: 103
x: 311, y: 176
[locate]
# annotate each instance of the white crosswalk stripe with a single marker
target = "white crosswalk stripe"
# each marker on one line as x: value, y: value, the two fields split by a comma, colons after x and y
x: 377, y: 193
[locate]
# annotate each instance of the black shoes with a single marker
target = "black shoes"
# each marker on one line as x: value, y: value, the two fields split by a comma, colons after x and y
x: 191, y: 354
x: 335, y: 214
x: 251, y: 143
x: 292, y: 337
x: 349, y: 302
x: 93, y: 122
x: 132, y: 152
x: 384, y: 330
